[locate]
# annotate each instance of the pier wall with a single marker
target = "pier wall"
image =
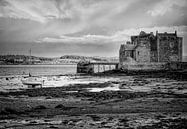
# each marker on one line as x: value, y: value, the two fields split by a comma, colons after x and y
x: 95, y: 67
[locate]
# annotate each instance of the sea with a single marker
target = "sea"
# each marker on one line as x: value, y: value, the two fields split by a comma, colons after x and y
x: 37, y: 70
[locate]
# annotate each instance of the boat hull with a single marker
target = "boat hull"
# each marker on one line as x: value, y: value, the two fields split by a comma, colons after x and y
x: 32, y: 84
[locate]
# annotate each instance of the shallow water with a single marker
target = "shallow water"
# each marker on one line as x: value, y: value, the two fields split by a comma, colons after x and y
x: 8, y: 70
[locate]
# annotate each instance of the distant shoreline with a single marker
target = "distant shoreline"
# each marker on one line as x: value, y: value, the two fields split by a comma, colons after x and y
x: 33, y: 64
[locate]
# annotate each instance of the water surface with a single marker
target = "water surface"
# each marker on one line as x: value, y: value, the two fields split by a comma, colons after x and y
x: 6, y: 70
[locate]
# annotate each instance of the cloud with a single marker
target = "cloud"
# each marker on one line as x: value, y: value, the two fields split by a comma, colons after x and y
x: 160, y: 29
x: 40, y: 10
x: 119, y: 36
x: 85, y: 39
x: 165, y: 6
x: 87, y: 22
x: 108, y: 13
x: 89, y: 12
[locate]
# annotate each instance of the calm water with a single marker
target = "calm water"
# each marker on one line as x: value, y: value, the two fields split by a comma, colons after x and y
x: 37, y: 69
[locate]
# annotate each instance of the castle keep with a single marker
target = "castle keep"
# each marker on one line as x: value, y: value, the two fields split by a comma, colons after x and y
x: 149, y: 48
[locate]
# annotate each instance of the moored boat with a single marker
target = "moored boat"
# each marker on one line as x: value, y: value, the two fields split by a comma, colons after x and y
x: 32, y: 83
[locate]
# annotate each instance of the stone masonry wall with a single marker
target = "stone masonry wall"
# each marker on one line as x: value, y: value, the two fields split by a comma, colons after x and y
x: 144, y: 66
x: 121, y: 54
x: 168, y: 49
x: 180, y: 48
x: 154, y: 56
x: 142, y: 54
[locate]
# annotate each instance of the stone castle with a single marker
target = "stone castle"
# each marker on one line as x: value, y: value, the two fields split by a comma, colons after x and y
x: 144, y: 52
x: 148, y: 48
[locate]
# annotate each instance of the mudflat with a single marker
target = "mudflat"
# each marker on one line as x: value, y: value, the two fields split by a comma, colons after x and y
x: 128, y: 102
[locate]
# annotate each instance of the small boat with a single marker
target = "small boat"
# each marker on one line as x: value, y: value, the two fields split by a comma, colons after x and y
x: 32, y: 83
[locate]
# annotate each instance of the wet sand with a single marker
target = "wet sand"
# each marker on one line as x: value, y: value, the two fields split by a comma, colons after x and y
x: 148, y: 101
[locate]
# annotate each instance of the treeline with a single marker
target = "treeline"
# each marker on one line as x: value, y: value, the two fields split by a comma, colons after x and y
x: 74, y: 57
x: 24, y: 57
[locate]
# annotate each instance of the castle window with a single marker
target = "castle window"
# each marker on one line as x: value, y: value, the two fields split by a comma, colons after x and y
x: 172, y: 44
x: 138, y: 53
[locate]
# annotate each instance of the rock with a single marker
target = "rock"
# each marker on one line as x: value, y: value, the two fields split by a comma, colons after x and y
x: 53, y: 127
x: 48, y: 97
x: 8, y: 111
x: 60, y: 106
x: 40, y: 107
x: 95, y: 117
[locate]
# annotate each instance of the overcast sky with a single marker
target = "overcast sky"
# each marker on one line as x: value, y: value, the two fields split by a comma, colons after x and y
x: 84, y: 27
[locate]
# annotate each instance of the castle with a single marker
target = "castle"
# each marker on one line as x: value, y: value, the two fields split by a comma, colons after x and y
x: 145, y: 51
x: 149, y: 48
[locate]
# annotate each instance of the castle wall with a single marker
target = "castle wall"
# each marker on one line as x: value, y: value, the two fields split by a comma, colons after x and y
x: 122, y: 55
x: 169, y: 49
x: 143, y: 49
x: 142, y: 54
x: 153, y: 56
x: 154, y: 50
x: 180, y: 48
x: 144, y: 66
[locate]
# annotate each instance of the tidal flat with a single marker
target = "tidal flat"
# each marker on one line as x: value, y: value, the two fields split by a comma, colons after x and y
x: 105, y: 101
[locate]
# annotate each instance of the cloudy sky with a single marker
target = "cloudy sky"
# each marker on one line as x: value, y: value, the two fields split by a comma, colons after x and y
x: 84, y: 27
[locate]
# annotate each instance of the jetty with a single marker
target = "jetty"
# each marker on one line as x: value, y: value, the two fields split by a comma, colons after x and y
x: 96, y: 67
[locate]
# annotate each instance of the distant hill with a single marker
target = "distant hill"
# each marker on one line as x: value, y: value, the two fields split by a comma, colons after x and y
x: 66, y: 59
x: 74, y: 57
x: 92, y: 59
x: 24, y: 57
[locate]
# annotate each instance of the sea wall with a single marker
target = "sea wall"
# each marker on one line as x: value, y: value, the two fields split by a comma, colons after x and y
x: 177, y: 65
x: 144, y: 66
x: 155, y: 66
x: 85, y: 68
x: 103, y: 68
x: 135, y: 66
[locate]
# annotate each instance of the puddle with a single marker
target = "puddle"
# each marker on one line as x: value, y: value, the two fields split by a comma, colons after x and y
x: 109, y: 88
x: 117, y: 87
